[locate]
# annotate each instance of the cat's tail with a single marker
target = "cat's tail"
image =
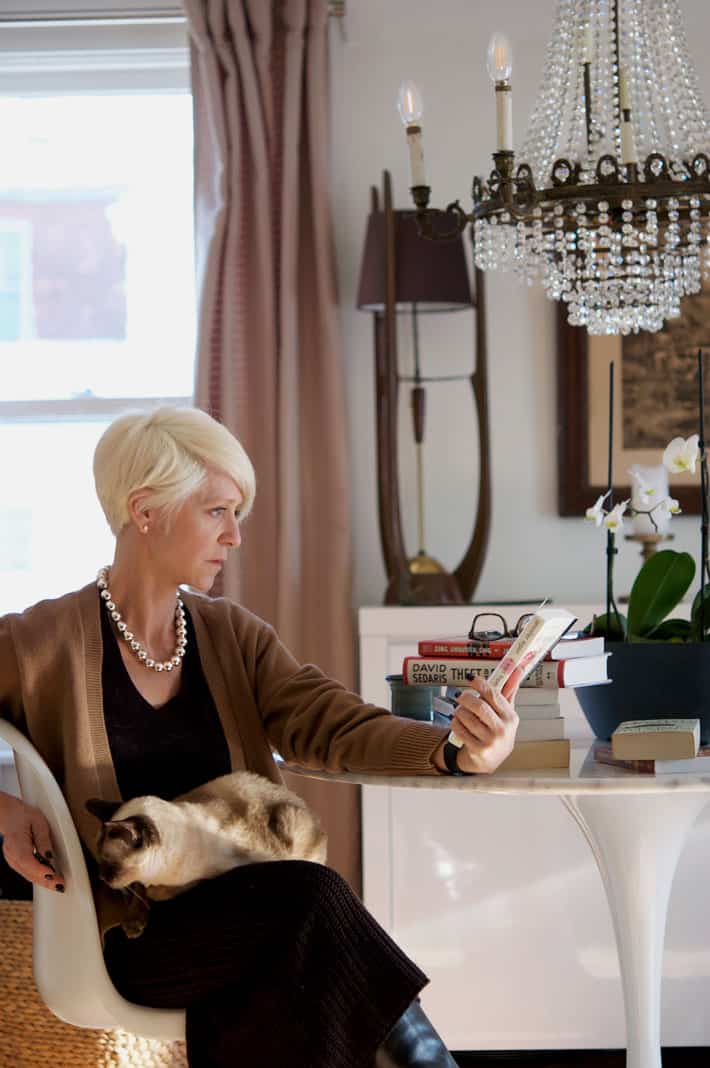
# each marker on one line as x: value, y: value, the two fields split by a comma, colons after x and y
x: 299, y: 832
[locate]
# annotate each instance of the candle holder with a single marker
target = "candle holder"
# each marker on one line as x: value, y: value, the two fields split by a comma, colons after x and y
x: 649, y: 543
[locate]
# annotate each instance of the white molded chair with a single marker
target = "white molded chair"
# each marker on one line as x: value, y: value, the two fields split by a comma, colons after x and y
x: 69, y: 967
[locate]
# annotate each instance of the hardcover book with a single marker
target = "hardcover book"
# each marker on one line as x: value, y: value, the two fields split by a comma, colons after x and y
x: 551, y: 675
x: 566, y: 649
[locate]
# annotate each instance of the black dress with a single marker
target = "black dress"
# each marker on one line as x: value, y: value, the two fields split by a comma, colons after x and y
x: 277, y: 964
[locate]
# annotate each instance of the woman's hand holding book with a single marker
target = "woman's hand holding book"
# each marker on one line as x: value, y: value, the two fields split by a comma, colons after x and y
x: 485, y: 721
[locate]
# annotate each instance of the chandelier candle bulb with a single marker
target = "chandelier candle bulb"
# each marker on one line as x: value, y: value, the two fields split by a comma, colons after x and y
x: 504, y: 117
x: 409, y: 105
x: 417, y: 171
x: 628, y: 144
x: 624, y: 95
x: 587, y: 45
x: 500, y: 68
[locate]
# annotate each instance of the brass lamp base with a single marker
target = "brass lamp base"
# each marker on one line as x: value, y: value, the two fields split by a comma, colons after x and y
x: 423, y: 564
x: 424, y: 587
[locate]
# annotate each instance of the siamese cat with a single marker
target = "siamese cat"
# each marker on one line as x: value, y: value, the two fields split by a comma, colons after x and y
x: 155, y: 849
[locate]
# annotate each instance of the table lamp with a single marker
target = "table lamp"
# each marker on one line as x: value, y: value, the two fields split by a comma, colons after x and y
x: 403, y: 272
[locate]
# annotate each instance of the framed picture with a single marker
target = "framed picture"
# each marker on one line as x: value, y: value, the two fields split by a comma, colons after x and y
x: 655, y: 400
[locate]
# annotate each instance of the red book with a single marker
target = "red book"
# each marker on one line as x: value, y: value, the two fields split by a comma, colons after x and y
x: 567, y: 649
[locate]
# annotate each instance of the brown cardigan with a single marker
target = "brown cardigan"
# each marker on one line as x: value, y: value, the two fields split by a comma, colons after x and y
x: 50, y: 687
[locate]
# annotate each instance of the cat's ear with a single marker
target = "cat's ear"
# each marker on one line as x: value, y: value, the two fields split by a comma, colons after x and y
x: 103, y: 810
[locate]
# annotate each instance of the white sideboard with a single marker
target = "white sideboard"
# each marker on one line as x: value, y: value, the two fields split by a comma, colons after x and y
x: 499, y: 900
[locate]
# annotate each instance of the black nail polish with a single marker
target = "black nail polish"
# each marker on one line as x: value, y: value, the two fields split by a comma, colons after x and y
x: 48, y: 876
x: 49, y: 854
x: 59, y: 888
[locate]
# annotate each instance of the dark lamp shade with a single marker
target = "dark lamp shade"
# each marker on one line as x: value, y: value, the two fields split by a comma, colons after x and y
x: 432, y: 274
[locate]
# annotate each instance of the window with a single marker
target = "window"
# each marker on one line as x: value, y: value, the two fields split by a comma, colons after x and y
x: 97, y: 307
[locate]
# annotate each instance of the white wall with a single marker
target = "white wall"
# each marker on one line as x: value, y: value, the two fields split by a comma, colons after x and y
x: 532, y: 552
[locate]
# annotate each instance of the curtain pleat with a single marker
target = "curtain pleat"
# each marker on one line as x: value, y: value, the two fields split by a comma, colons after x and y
x: 269, y: 354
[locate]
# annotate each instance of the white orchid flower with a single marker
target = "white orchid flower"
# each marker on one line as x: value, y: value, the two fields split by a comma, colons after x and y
x: 669, y: 506
x: 596, y: 513
x: 682, y: 455
x: 613, y: 520
x: 646, y: 492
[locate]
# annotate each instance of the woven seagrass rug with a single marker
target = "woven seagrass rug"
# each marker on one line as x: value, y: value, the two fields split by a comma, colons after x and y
x: 31, y: 1036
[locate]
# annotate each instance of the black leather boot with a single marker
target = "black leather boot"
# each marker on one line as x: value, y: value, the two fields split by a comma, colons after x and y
x: 413, y: 1043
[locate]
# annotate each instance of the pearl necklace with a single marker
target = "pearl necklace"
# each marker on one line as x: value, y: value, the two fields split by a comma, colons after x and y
x: 133, y: 644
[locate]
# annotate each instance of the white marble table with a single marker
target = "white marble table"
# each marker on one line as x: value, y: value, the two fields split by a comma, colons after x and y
x: 636, y: 826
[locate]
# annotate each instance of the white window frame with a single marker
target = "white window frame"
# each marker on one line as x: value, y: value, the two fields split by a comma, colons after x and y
x: 88, y: 46
x: 24, y: 229
x: 52, y: 47
x: 54, y: 11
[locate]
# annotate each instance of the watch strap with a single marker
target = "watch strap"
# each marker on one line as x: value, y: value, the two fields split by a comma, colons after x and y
x: 451, y: 755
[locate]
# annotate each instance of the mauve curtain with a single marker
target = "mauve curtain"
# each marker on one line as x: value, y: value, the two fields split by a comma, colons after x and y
x: 269, y: 358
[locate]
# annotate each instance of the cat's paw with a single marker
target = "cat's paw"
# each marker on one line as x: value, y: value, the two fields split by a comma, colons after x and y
x: 135, y: 920
x: 134, y: 928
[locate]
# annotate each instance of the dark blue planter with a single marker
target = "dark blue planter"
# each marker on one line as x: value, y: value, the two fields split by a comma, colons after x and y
x: 651, y: 680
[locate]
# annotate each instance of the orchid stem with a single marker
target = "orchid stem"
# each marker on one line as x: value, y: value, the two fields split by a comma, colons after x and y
x: 611, y: 549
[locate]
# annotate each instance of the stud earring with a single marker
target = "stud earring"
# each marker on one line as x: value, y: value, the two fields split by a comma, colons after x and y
x: 145, y: 529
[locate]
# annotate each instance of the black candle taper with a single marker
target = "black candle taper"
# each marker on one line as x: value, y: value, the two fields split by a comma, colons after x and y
x: 703, y: 491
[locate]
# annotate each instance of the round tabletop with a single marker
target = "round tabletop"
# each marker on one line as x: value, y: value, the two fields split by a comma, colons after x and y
x: 584, y: 776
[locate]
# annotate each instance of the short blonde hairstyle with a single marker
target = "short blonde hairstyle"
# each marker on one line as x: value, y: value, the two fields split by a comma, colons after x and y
x: 166, y: 451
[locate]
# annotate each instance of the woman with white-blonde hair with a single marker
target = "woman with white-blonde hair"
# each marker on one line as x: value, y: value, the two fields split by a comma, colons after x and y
x: 140, y: 683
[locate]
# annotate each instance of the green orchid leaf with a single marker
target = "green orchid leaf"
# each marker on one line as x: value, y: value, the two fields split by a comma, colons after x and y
x: 695, y: 612
x: 613, y: 632
x: 660, y: 584
x: 674, y: 630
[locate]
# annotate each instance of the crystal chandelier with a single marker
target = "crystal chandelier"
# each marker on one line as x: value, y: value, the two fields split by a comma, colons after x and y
x: 608, y: 204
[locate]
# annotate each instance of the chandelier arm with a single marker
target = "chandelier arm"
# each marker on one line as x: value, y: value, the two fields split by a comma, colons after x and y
x: 426, y: 222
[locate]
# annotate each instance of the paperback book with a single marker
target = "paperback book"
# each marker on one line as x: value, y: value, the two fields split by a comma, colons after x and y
x: 541, y: 632
x: 528, y: 701
x: 529, y: 756
x: 603, y: 754
x: 541, y: 728
x: 656, y: 739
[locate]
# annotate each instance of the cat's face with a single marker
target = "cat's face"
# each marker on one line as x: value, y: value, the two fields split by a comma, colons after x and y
x: 127, y: 847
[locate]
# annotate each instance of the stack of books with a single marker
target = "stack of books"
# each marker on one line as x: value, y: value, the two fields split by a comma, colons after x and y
x: 540, y: 741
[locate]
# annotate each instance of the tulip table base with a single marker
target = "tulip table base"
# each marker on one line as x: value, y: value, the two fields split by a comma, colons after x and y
x: 636, y: 842
x: 636, y: 826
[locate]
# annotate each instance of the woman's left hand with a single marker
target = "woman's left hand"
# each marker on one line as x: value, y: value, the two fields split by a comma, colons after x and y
x: 486, y: 722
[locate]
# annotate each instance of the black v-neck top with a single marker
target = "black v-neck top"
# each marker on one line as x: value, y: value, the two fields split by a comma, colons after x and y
x: 162, y: 751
